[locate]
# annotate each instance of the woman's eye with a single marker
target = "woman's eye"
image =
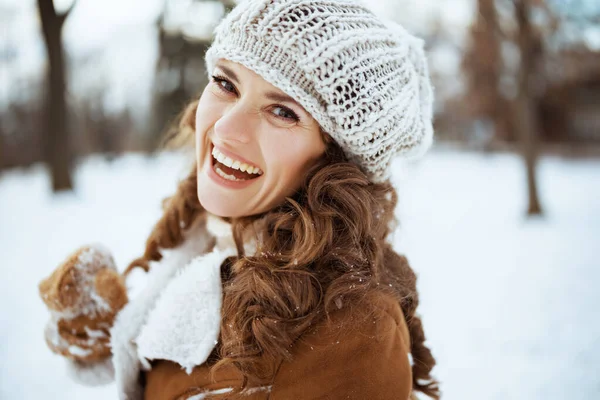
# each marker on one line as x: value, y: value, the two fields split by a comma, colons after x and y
x: 285, y: 113
x: 224, y: 84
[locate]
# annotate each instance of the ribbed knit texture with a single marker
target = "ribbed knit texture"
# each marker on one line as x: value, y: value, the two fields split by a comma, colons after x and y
x: 364, y: 80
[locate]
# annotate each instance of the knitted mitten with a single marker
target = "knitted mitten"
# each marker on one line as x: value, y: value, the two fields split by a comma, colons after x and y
x: 83, y: 294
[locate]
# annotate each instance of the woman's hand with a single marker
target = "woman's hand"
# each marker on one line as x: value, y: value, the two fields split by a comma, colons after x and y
x: 83, y: 295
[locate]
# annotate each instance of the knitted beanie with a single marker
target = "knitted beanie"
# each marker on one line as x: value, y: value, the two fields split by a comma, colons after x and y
x: 364, y: 80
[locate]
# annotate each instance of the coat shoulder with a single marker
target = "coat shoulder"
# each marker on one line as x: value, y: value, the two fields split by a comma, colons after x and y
x: 377, y: 316
x: 360, y: 351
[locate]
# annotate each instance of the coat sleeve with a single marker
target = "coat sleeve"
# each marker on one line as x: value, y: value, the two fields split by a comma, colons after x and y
x: 364, y: 359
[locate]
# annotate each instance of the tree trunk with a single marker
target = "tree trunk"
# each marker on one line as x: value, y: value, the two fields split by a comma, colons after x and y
x: 482, y: 60
x: 2, y: 163
x: 482, y: 63
x: 56, y: 146
x: 527, y: 124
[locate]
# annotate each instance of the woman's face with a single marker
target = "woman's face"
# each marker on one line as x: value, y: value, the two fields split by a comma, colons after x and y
x: 254, y: 143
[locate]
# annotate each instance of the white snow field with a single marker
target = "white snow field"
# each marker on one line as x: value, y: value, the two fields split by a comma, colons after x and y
x: 510, y: 305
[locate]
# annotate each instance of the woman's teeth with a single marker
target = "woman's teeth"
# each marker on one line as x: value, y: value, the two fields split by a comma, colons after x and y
x: 227, y: 176
x: 234, y: 164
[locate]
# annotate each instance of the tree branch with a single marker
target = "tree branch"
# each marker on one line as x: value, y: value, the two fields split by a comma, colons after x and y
x: 62, y: 17
x: 46, y: 7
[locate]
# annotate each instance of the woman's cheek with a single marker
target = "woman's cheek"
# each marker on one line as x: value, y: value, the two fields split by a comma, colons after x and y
x: 206, y: 117
x: 293, y: 163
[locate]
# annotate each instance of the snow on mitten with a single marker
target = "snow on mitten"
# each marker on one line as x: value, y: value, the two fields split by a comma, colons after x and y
x: 83, y: 294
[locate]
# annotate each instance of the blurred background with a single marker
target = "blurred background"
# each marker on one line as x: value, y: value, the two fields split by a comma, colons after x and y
x: 501, y: 220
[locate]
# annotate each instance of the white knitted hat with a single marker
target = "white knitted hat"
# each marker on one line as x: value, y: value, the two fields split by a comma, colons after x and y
x: 364, y: 80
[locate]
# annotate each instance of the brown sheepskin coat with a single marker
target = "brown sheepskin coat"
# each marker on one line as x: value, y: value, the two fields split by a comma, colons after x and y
x: 164, y: 341
x: 356, y: 354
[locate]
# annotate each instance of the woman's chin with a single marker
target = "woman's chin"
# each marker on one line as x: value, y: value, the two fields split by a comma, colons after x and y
x: 221, y: 206
x: 232, y: 201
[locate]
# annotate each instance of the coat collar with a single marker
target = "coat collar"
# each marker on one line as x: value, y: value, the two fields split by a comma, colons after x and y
x: 132, y: 319
x: 177, y: 314
x: 184, y: 324
x: 221, y: 231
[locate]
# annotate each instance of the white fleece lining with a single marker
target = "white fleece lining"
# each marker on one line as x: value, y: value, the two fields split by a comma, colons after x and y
x: 133, y: 316
x: 184, y: 325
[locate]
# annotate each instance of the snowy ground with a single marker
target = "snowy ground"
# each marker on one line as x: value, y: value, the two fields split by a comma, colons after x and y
x: 510, y: 305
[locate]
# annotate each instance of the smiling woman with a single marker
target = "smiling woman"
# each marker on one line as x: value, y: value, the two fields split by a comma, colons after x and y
x: 278, y: 280
x: 243, y: 120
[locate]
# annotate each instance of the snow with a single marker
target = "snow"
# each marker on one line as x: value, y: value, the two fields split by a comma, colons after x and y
x: 509, y: 304
x: 94, y: 334
x: 115, y: 205
x: 78, y: 351
x: 88, y: 260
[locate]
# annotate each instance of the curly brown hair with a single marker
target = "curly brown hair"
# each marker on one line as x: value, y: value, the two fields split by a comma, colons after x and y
x: 326, y: 242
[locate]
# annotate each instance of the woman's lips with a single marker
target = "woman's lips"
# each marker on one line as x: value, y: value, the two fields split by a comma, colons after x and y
x: 234, y: 161
x: 229, y: 177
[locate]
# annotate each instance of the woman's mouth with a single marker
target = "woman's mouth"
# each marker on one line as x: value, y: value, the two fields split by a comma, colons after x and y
x: 231, y: 169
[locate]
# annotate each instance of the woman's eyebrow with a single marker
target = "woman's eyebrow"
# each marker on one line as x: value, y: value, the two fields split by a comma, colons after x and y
x: 280, y: 97
x: 229, y: 73
x: 274, y: 96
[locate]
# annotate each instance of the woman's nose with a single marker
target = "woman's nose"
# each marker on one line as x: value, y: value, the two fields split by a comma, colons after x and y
x: 236, y: 124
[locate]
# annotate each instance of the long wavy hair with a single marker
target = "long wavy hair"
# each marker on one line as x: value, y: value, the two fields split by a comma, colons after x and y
x: 327, y: 242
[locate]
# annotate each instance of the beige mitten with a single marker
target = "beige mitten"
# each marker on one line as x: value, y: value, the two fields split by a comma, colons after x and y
x: 83, y: 294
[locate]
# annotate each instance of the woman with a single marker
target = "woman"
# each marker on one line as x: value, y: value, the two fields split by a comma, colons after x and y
x: 277, y: 280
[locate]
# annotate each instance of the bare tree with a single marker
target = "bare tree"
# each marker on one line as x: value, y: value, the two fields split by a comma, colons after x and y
x: 1, y: 147
x: 515, y: 117
x: 483, y: 65
x: 57, y: 152
x: 524, y: 107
